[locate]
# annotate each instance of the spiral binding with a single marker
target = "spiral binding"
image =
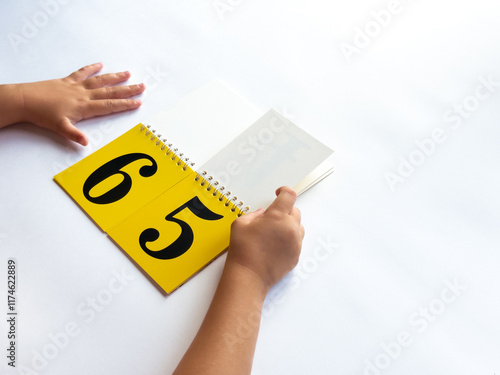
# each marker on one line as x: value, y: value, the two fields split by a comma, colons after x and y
x: 208, y: 183
x: 225, y: 196
x: 162, y: 143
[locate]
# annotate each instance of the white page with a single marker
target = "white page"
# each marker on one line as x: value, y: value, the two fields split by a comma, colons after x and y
x: 320, y: 172
x: 270, y: 153
x: 204, y: 121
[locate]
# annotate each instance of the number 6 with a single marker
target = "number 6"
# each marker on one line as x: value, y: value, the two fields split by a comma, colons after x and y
x: 111, y: 168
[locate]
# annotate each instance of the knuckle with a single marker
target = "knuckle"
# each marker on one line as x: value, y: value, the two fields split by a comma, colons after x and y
x: 273, y: 214
x: 237, y: 223
x: 81, y: 110
x: 109, y: 104
x: 295, y: 232
x: 291, y: 232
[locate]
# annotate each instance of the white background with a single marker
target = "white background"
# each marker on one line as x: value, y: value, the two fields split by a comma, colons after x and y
x: 395, y: 251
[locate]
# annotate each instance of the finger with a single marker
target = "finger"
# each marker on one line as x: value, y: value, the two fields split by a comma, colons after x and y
x: 85, y: 72
x: 105, y: 80
x: 117, y: 92
x: 302, y: 231
x: 247, y: 218
x: 284, y: 201
x: 69, y: 131
x: 107, y: 106
x: 295, y: 214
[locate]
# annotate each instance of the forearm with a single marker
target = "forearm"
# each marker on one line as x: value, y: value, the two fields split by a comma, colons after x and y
x: 264, y: 247
x: 225, y: 343
x: 11, y: 104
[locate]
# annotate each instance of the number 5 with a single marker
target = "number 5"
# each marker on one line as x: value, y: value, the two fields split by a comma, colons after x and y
x: 185, y: 239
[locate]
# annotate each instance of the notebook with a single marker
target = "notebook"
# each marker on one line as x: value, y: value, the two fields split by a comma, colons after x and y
x: 171, y: 219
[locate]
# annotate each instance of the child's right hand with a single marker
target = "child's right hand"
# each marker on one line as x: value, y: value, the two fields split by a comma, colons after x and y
x: 268, y: 242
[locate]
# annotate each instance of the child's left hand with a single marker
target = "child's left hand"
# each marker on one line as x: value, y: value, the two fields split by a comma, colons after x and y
x: 59, y: 104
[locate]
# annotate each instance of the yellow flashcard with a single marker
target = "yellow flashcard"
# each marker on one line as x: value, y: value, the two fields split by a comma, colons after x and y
x: 178, y: 233
x: 169, y: 219
x: 123, y: 176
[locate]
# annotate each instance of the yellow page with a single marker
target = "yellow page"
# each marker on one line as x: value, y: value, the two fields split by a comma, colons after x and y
x: 123, y: 176
x: 178, y: 233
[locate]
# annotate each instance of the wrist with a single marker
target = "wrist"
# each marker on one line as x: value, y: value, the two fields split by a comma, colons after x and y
x: 246, y: 279
x: 13, y: 104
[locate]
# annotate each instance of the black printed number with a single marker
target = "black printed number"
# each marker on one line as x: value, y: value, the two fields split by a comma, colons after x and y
x: 185, y: 240
x: 111, y: 168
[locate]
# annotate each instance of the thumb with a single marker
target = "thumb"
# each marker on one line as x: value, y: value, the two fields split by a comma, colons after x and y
x: 69, y: 131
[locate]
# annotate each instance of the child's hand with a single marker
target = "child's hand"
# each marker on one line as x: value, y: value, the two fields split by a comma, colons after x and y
x: 268, y: 242
x: 264, y: 246
x: 60, y: 103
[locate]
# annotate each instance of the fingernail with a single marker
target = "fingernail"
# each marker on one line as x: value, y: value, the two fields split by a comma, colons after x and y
x: 141, y: 85
x: 137, y: 101
x: 82, y: 140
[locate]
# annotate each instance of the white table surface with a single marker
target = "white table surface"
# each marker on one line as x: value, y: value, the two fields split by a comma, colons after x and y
x: 407, y: 279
